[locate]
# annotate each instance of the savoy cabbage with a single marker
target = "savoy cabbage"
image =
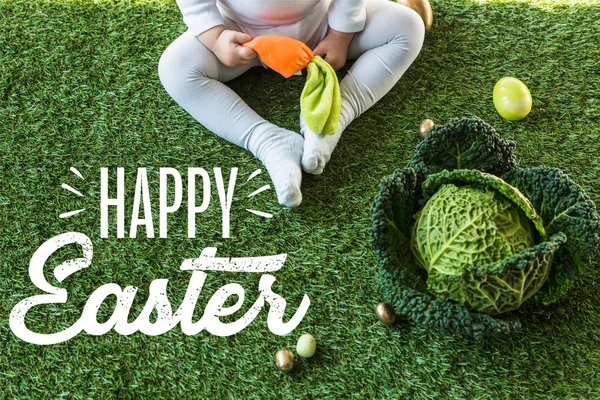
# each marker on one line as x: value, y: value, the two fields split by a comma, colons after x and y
x: 462, y: 234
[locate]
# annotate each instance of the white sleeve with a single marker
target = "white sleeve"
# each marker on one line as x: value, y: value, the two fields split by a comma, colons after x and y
x: 347, y: 15
x: 200, y: 15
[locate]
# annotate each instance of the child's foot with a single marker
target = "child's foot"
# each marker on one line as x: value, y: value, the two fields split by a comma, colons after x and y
x: 317, y: 148
x: 280, y: 151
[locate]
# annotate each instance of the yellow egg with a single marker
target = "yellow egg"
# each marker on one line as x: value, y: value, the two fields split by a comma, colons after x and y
x: 512, y: 98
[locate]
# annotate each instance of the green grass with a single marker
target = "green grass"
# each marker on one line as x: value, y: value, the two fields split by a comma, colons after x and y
x: 79, y: 87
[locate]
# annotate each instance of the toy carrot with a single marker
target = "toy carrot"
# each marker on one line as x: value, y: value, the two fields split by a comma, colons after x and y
x: 320, y: 100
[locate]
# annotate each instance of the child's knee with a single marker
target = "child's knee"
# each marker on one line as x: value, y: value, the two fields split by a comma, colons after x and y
x: 167, y: 69
x: 410, y: 30
x: 185, y: 61
x: 417, y: 27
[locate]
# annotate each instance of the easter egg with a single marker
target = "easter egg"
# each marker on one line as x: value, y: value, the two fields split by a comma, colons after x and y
x: 385, y: 313
x: 284, y: 360
x: 512, y: 99
x: 307, y: 345
x: 424, y: 127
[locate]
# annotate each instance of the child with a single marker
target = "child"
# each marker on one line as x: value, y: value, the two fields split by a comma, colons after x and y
x: 384, y: 38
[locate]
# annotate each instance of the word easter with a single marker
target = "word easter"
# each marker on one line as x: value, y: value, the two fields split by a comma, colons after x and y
x: 142, y: 199
x: 157, y: 299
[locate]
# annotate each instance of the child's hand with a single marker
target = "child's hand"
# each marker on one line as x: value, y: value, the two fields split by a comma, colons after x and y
x: 229, y: 50
x: 227, y: 46
x: 334, y: 48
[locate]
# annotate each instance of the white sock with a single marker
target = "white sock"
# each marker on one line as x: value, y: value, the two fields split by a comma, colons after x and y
x: 280, y: 150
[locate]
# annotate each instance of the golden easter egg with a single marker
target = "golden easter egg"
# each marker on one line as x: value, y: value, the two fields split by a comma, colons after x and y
x: 385, y: 313
x: 284, y: 360
x: 424, y: 127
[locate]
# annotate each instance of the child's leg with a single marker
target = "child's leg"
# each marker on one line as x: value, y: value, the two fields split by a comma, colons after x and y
x: 193, y: 76
x: 390, y: 42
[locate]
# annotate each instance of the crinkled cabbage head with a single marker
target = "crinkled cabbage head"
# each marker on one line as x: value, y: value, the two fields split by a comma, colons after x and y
x: 470, y: 225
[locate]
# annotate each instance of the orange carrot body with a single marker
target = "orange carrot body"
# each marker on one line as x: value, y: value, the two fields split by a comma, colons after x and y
x: 282, y: 54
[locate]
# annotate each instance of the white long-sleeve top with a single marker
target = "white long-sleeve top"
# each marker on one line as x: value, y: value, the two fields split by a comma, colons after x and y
x: 201, y: 15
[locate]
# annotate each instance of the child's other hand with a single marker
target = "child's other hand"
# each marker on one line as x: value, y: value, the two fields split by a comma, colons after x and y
x: 227, y: 46
x: 334, y: 48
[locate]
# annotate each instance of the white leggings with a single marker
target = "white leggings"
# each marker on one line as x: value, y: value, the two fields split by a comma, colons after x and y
x: 383, y: 50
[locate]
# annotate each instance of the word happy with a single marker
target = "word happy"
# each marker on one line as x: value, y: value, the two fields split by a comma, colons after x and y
x: 141, y: 200
x: 157, y: 299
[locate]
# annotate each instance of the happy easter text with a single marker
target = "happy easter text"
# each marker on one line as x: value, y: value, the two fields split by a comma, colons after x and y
x: 157, y: 301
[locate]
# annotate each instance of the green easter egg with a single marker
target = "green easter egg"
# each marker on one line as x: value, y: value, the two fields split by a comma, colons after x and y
x: 307, y: 345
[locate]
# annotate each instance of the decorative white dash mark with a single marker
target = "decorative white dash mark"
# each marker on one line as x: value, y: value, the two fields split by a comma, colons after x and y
x: 70, y: 213
x: 70, y: 189
x: 74, y: 191
x: 208, y: 262
x: 76, y: 172
x: 257, y: 191
x: 260, y: 213
x: 258, y: 171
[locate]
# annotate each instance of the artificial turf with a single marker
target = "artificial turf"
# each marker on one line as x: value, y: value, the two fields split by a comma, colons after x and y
x: 79, y: 87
